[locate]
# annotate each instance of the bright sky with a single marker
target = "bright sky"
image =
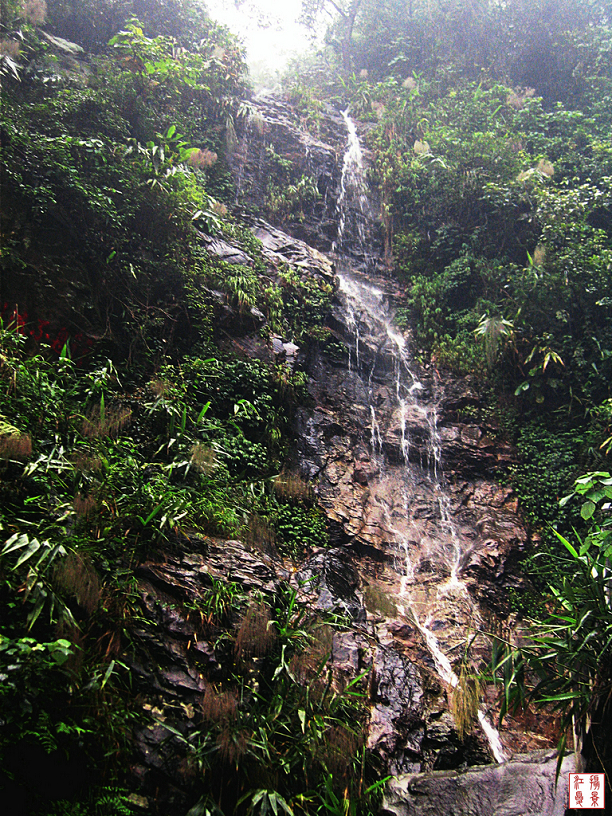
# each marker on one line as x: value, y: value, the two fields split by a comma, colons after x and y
x: 268, y: 28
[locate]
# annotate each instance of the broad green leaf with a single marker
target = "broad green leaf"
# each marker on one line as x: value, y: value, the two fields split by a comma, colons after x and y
x: 589, y: 477
x: 566, y: 543
x: 38, y: 607
x: 587, y: 509
x: 203, y: 412
x: 556, y: 698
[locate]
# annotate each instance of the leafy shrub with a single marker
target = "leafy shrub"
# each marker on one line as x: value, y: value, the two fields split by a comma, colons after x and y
x: 300, y: 528
x: 565, y: 658
x: 290, y: 201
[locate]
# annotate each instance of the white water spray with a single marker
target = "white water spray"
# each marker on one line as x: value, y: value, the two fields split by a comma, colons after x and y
x: 353, y: 207
x: 492, y: 735
x: 376, y: 441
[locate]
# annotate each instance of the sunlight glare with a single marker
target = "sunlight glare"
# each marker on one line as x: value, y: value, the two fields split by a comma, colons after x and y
x: 269, y: 30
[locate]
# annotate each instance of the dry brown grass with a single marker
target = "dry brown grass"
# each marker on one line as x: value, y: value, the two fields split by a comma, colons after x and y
x: 260, y: 534
x: 464, y: 700
x: 16, y: 446
x: 546, y: 168
x: 76, y: 576
x: 219, y: 208
x: 84, y: 506
x: 290, y: 487
x: 9, y: 48
x: 159, y: 387
x: 221, y: 709
x: 232, y: 744
x: 539, y: 255
x: 109, y: 422
x: 306, y: 666
x: 188, y: 769
x: 516, y: 99
x: 85, y: 461
x: 35, y: 11
x: 203, y: 458
x: 339, y: 750
x: 218, y: 707
x: 256, y: 636
x: 202, y: 158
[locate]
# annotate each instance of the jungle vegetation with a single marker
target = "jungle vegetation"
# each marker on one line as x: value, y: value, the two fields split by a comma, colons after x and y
x: 491, y: 128
x: 124, y: 421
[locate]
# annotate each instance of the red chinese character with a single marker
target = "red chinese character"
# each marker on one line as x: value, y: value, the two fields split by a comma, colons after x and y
x: 579, y: 798
x: 578, y: 780
x: 594, y: 781
x: 594, y: 799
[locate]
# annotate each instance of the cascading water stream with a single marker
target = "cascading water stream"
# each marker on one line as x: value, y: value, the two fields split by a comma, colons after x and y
x: 353, y: 207
x: 367, y: 314
x: 376, y: 441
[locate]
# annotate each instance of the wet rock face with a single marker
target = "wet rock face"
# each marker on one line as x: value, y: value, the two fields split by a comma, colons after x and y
x: 397, y: 725
x: 175, y: 654
x: 244, y: 330
x: 328, y: 582
x: 406, y: 474
x: 279, y: 247
x: 274, y: 130
x: 356, y: 443
x: 173, y: 651
x: 524, y: 785
x: 376, y: 464
x: 364, y: 483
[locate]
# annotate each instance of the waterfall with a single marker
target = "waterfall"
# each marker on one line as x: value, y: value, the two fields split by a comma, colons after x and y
x: 376, y: 441
x: 353, y: 210
x: 369, y: 320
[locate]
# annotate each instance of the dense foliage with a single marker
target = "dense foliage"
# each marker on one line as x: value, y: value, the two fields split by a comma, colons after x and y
x: 125, y: 426
x: 125, y: 429
x: 493, y: 160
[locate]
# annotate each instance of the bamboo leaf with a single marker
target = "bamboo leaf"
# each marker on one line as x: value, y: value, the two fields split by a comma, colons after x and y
x: 33, y: 547
x: 15, y: 542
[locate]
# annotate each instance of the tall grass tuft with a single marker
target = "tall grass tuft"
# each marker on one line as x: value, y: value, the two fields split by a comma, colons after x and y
x: 76, y: 576
x: 261, y: 535
x: 464, y: 700
x: 218, y: 707
x: 102, y: 421
x: 17, y: 447
x: 256, y: 635
x: 292, y: 488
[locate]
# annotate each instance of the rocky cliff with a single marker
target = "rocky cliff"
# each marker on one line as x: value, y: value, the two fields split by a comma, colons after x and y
x: 406, y: 465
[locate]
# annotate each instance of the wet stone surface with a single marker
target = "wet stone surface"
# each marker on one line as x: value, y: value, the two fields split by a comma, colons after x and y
x: 524, y: 785
x: 406, y: 473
